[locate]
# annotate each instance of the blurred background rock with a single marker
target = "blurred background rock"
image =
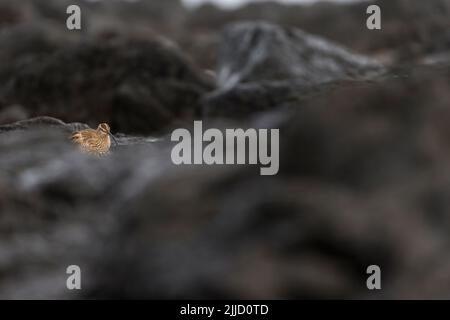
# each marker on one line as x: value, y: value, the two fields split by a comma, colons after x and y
x: 364, y: 160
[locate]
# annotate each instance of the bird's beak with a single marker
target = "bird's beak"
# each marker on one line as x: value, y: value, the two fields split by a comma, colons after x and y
x: 115, y: 141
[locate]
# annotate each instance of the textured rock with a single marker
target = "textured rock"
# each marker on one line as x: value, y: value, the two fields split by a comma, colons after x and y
x: 13, y: 113
x: 135, y: 86
x: 361, y: 182
x: 263, y: 66
x: 49, y: 69
x: 410, y: 29
x: 258, y: 51
x: 56, y: 202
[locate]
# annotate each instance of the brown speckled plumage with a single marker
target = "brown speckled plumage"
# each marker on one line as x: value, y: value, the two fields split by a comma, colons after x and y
x: 92, y: 141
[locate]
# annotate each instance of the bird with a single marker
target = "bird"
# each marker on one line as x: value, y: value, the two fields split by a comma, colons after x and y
x: 96, y: 142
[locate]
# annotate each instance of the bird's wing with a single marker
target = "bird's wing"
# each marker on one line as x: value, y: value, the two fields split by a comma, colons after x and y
x: 82, y: 135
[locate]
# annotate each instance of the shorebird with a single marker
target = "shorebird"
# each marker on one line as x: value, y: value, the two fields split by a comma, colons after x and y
x: 93, y: 141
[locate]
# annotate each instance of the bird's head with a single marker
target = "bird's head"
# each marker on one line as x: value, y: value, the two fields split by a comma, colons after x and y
x: 104, y: 127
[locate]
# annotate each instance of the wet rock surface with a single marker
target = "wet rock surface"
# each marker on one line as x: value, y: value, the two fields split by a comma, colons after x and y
x: 364, y: 165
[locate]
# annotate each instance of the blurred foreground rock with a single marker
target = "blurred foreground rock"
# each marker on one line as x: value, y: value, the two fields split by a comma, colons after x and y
x: 361, y: 182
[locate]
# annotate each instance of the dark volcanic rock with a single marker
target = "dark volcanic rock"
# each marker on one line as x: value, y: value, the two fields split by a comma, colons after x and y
x: 364, y: 161
x: 263, y: 66
x: 361, y: 182
x: 41, y: 123
x: 410, y: 29
x: 12, y: 114
x: 55, y: 202
x: 258, y: 51
x: 136, y: 86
